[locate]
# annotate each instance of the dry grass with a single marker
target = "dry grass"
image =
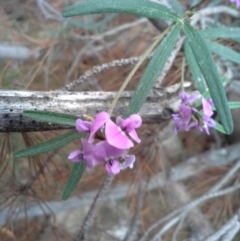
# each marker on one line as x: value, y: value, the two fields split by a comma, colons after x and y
x: 41, y: 179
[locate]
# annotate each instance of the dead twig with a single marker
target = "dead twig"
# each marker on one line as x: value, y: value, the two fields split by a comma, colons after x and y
x: 102, y: 68
x: 191, y: 167
x: 132, y: 232
x: 83, y: 234
x: 232, y: 225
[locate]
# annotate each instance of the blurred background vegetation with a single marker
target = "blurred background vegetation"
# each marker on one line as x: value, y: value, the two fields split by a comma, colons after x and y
x: 39, y: 50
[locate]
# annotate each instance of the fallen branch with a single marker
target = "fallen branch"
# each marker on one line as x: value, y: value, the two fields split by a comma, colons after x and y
x: 13, y: 103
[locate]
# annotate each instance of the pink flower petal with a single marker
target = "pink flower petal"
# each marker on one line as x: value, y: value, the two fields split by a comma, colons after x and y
x: 192, y: 125
x: 75, y: 156
x: 88, y: 153
x: 104, y: 152
x: 112, y: 167
x: 208, y: 122
x: 207, y: 108
x: 183, y: 96
x: 186, y: 99
x: 186, y: 113
x: 100, y: 153
x: 83, y: 126
x: 132, y: 122
x: 210, y: 101
x: 113, y: 152
x: 98, y: 122
x: 134, y: 136
x: 116, y: 137
x: 129, y: 161
x: 119, y: 120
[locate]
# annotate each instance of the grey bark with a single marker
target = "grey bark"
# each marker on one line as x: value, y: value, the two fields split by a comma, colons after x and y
x: 13, y: 103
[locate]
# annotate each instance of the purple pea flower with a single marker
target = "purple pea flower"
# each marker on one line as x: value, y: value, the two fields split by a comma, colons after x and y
x: 237, y: 2
x: 188, y: 116
x: 117, y: 139
x: 207, y: 113
x: 117, y: 135
x: 113, y: 158
x: 82, y: 125
x: 207, y: 122
x: 92, y: 127
x: 112, y: 167
x: 84, y: 155
x: 183, y: 118
x: 98, y: 123
x: 129, y: 125
x: 207, y: 107
x: 187, y: 99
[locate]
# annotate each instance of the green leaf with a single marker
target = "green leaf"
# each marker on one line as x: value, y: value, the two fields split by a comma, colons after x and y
x: 234, y: 104
x: 144, y: 8
x: 193, y: 3
x: 50, y: 145
x: 152, y: 71
x: 219, y: 128
x: 211, y: 76
x: 224, y: 51
x: 94, y: 25
x: 73, y: 180
x: 176, y: 6
x: 53, y: 117
x: 194, y: 68
x: 220, y: 32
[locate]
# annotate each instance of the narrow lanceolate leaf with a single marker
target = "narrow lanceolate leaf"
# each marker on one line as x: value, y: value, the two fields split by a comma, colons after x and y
x: 234, y: 104
x: 194, y: 68
x: 50, y: 145
x: 176, y: 6
x: 152, y: 71
x: 73, y: 180
x: 224, y: 51
x: 219, y: 128
x: 220, y: 32
x: 52, y: 117
x: 211, y: 76
x: 144, y: 8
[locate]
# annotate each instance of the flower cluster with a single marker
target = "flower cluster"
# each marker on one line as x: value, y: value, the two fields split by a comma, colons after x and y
x: 189, y: 117
x: 237, y: 2
x: 116, y: 140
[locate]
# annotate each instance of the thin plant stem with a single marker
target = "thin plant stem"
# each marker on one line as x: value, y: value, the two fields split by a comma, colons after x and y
x: 83, y: 234
x: 186, y: 208
x: 182, y: 73
x: 144, y: 56
x: 132, y: 232
x: 228, y: 176
x: 223, y: 230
